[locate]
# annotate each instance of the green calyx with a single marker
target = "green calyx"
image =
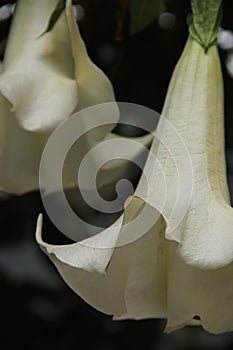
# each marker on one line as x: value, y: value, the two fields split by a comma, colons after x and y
x: 206, y: 21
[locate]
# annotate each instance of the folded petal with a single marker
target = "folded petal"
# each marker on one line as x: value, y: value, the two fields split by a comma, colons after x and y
x: 20, y: 153
x: 116, y: 279
x: 83, y: 267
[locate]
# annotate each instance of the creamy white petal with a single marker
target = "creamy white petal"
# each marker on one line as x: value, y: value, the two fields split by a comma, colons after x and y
x: 84, y: 270
x: 197, y: 292
x: 123, y: 281
x: 114, y: 280
x: 20, y: 153
x: 105, y: 292
x: 194, y: 105
x: 93, y: 85
x: 40, y: 87
x: 38, y: 73
x: 145, y: 290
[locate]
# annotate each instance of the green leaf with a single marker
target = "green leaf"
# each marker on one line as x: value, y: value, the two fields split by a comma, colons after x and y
x: 55, y: 16
x: 143, y: 13
x: 206, y: 21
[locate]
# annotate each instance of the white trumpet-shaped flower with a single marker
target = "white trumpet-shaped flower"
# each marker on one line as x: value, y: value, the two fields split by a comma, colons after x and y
x: 149, y: 263
x: 43, y: 79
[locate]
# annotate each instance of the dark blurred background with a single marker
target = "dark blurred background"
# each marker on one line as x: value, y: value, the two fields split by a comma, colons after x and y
x: 38, y: 311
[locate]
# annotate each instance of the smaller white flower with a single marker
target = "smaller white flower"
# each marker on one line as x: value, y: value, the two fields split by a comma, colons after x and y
x: 43, y: 80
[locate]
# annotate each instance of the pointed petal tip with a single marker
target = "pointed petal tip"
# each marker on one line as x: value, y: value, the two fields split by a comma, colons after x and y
x: 176, y: 326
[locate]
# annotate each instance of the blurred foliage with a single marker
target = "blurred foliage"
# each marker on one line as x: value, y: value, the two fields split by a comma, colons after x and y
x: 143, y: 13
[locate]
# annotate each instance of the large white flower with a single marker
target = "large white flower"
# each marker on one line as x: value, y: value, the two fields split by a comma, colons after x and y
x: 44, y: 78
x: 176, y: 269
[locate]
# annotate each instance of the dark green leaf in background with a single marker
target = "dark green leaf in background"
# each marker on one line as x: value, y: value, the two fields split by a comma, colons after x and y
x: 55, y: 15
x: 143, y: 13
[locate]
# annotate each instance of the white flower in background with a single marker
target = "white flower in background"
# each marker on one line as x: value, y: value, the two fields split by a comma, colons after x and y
x: 174, y: 270
x: 225, y: 39
x: 225, y: 42
x: 43, y: 80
